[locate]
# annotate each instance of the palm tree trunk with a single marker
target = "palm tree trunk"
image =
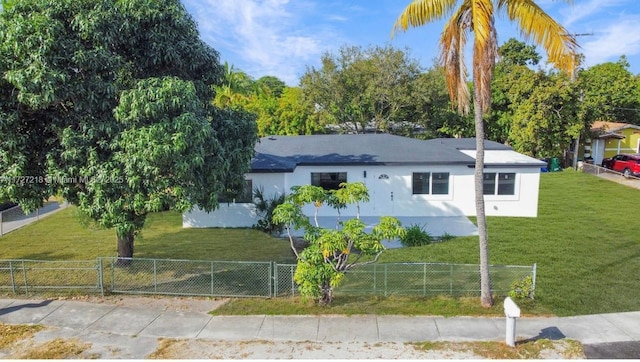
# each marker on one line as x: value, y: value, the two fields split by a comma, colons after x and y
x: 486, y: 298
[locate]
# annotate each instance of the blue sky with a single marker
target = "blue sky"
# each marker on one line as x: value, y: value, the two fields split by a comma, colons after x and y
x: 284, y: 37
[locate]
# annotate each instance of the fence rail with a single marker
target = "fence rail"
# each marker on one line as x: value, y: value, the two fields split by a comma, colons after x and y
x: 246, y: 279
x: 603, y: 171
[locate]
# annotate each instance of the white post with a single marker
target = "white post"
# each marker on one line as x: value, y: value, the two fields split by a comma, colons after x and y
x: 511, y: 311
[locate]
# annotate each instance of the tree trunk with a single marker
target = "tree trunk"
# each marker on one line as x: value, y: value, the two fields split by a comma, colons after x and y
x: 125, y: 248
x: 576, y: 146
x: 327, y: 293
x: 486, y: 299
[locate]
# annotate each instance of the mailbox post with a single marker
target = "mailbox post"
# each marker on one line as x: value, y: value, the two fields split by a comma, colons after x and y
x: 511, y: 311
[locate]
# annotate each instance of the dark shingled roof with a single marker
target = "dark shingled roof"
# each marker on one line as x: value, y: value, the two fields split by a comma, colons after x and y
x: 284, y: 153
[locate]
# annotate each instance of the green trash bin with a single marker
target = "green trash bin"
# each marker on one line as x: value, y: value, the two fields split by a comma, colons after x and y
x: 554, y: 164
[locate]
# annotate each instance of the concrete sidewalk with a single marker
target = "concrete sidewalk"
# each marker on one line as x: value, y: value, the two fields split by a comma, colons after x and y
x: 113, y: 324
x: 15, y: 218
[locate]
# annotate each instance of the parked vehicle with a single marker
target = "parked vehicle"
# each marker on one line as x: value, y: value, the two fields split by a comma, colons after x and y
x: 627, y: 164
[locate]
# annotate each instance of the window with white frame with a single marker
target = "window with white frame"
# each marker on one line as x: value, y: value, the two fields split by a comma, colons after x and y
x: 499, y: 183
x: 430, y: 183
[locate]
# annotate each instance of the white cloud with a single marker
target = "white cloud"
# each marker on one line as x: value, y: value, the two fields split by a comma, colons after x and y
x: 585, y: 9
x: 265, y: 37
x: 618, y: 38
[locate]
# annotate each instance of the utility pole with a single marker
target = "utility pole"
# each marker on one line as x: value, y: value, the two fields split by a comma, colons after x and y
x: 576, y: 144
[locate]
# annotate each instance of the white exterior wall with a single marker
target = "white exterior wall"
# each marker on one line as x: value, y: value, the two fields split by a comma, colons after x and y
x: 389, y: 196
x: 230, y: 215
x: 524, y: 203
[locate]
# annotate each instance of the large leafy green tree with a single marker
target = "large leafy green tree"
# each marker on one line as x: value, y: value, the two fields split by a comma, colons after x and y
x: 361, y: 88
x: 512, y: 82
x: 544, y: 121
x: 610, y: 92
x: 294, y: 115
x: 438, y: 117
x: 108, y: 103
x: 515, y: 52
x: 478, y: 17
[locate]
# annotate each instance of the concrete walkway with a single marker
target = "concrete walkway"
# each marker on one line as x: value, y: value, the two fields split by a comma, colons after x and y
x: 137, y: 329
x: 14, y: 218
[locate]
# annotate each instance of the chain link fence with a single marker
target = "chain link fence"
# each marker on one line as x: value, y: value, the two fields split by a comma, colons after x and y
x: 414, y: 279
x: 30, y: 276
x: 187, y: 277
x: 603, y: 171
x: 247, y: 279
x: 595, y: 169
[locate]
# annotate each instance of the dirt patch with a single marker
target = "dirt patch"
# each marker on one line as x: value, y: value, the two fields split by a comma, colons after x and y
x: 537, y: 349
x: 204, y: 349
x: 11, y: 334
x: 58, y: 348
x: 17, y: 342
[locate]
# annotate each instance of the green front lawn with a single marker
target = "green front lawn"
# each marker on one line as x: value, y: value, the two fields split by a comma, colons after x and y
x: 585, y: 241
x: 63, y: 237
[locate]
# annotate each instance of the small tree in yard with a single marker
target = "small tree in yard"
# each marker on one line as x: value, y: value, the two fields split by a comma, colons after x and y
x: 331, y: 252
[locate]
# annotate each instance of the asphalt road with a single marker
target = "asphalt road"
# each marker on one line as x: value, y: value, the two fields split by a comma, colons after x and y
x: 613, y: 350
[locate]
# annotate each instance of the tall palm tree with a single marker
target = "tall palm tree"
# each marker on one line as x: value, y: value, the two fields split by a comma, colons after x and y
x: 477, y: 17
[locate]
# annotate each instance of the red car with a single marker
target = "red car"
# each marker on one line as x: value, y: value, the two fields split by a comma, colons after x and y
x: 625, y: 163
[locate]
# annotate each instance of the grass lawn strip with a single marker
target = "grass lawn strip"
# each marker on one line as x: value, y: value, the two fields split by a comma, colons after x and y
x: 586, y: 252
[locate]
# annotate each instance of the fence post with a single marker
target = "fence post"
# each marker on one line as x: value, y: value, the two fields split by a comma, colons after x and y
x: 385, y: 279
x: 375, y: 279
x: 1, y: 212
x: 13, y: 281
x: 424, y: 279
x: 212, y: 268
x: 113, y: 275
x: 293, y: 283
x: 533, y: 284
x: 451, y: 280
x: 155, y: 276
x: 100, y: 278
x: 24, y: 275
x: 273, y: 280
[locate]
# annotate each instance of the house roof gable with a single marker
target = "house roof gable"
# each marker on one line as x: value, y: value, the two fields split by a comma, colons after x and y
x: 611, y: 127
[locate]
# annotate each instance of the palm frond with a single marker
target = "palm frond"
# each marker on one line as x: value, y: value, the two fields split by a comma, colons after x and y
x: 538, y: 26
x: 484, y: 59
x: 421, y: 12
x: 453, y: 42
x: 482, y: 20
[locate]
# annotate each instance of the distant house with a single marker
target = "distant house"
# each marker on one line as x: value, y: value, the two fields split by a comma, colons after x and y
x: 611, y: 138
x: 428, y: 182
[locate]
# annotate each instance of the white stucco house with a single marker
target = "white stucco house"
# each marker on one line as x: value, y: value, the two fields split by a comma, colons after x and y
x: 426, y: 182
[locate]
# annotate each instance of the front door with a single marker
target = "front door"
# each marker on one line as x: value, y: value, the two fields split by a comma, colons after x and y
x: 383, y: 197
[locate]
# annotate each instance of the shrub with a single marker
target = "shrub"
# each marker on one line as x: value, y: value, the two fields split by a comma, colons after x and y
x: 264, y: 208
x: 446, y: 237
x: 416, y: 235
x: 522, y: 288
